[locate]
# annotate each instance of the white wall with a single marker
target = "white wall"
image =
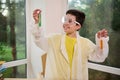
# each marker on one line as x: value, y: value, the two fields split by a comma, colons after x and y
x: 52, y: 12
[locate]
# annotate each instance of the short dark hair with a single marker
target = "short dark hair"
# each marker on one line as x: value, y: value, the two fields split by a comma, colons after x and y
x: 80, y: 16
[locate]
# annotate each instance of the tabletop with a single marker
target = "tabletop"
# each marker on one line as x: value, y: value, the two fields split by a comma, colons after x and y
x: 20, y: 79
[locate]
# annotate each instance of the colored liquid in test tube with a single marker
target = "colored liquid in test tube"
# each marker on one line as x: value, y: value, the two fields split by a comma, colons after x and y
x: 39, y: 19
x: 101, y: 44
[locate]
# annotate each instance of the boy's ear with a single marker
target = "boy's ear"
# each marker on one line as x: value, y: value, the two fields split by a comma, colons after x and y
x: 78, y: 27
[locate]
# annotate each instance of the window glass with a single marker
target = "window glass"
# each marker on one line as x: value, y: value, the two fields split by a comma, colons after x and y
x: 12, y: 30
x: 15, y: 72
x: 12, y: 35
x: 98, y: 75
x: 101, y: 14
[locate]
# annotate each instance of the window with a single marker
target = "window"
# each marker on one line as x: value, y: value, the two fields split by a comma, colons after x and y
x: 102, y: 14
x: 13, y: 34
x: 99, y: 75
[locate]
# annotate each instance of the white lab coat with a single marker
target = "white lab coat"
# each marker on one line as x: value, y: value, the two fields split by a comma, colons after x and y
x: 57, y: 63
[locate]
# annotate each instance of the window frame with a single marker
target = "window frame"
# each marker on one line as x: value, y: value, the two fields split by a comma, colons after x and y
x: 24, y: 61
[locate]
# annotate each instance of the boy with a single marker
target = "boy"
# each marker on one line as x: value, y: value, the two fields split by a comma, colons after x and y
x: 68, y: 54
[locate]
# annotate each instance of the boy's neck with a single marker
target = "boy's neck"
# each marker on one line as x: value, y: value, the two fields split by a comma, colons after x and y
x: 73, y: 35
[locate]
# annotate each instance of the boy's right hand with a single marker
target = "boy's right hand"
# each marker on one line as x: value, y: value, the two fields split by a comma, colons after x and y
x: 36, y: 31
x: 36, y: 13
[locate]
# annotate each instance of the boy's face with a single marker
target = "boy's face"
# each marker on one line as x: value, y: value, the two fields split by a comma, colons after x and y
x: 70, y: 24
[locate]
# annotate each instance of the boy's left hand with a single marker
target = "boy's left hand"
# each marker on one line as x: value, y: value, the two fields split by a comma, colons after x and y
x: 102, y: 33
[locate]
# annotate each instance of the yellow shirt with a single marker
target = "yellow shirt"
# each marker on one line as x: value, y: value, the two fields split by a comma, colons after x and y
x: 70, y: 42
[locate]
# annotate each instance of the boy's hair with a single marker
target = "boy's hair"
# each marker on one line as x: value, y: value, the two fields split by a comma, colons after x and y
x: 80, y: 16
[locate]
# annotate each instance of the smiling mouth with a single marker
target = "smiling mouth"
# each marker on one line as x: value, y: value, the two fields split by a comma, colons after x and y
x: 65, y: 28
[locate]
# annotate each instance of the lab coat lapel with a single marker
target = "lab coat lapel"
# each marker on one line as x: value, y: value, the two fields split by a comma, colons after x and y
x: 77, y: 60
x: 63, y: 48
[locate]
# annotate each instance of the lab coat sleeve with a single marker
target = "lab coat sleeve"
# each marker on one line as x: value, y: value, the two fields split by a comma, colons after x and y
x: 97, y: 54
x: 38, y: 37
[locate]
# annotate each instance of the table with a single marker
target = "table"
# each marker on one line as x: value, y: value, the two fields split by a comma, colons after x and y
x: 20, y: 79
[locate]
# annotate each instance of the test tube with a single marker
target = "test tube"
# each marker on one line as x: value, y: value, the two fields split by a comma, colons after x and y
x: 39, y: 19
x: 101, y: 44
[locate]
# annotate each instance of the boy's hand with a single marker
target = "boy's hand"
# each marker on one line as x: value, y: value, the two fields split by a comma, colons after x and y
x: 102, y: 33
x: 36, y: 13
